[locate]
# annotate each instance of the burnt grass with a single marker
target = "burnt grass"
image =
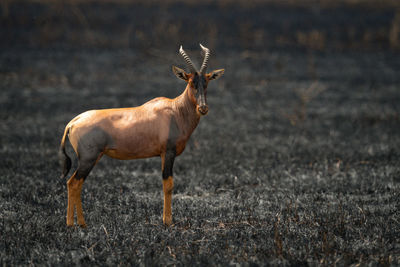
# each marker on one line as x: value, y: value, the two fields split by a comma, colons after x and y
x: 297, y: 162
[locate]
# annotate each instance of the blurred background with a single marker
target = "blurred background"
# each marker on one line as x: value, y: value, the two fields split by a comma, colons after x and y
x: 221, y: 24
x: 98, y: 46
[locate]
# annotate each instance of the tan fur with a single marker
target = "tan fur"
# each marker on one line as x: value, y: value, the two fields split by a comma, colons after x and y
x: 138, y: 132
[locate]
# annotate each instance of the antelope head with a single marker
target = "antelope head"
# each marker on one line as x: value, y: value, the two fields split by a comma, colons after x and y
x: 197, y: 80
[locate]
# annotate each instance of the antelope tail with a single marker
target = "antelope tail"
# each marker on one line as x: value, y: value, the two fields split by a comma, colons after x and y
x: 65, y: 160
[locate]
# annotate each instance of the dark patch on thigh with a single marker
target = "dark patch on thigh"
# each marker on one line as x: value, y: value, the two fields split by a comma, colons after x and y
x: 93, y: 142
x: 90, y: 148
x: 173, y: 135
x: 84, y: 168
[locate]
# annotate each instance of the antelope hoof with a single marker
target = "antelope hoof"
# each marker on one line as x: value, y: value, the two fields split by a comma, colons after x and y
x: 70, y: 223
x: 167, y: 221
x: 82, y: 223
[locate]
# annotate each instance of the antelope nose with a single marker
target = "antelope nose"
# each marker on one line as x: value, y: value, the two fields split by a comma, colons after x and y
x: 203, y: 110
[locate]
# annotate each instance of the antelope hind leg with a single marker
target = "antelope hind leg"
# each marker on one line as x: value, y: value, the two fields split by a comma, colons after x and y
x: 75, y: 184
x: 71, y: 201
x: 74, y: 200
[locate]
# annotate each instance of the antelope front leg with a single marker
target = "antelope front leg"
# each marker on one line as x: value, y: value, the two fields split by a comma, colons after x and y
x: 168, y: 185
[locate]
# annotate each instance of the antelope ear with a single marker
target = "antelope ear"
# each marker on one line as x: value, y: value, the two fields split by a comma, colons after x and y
x: 215, y: 74
x: 180, y: 73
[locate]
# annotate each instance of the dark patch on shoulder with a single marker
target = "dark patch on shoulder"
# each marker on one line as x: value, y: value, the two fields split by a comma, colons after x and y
x: 170, y: 152
x: 173, y: 134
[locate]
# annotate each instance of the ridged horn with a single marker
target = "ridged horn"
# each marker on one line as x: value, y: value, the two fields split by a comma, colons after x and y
x: 189, y: 63
x: 206, y: 57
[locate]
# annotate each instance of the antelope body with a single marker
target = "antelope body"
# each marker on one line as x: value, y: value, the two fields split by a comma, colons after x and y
x: 160, y: 127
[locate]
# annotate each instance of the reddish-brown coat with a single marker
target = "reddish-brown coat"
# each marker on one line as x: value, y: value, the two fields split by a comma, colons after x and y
x: 139, y: 132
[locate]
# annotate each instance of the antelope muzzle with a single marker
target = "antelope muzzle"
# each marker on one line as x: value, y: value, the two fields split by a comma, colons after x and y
x: 202, y: 106
x: 203, y: 109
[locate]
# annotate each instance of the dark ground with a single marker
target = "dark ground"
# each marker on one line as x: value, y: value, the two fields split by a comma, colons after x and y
x: 297, y: 162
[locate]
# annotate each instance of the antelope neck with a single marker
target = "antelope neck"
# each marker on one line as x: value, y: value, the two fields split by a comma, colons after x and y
x: 186, y: 114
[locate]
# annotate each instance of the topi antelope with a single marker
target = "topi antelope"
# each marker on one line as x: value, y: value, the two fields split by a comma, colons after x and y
x: 160, y: 127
